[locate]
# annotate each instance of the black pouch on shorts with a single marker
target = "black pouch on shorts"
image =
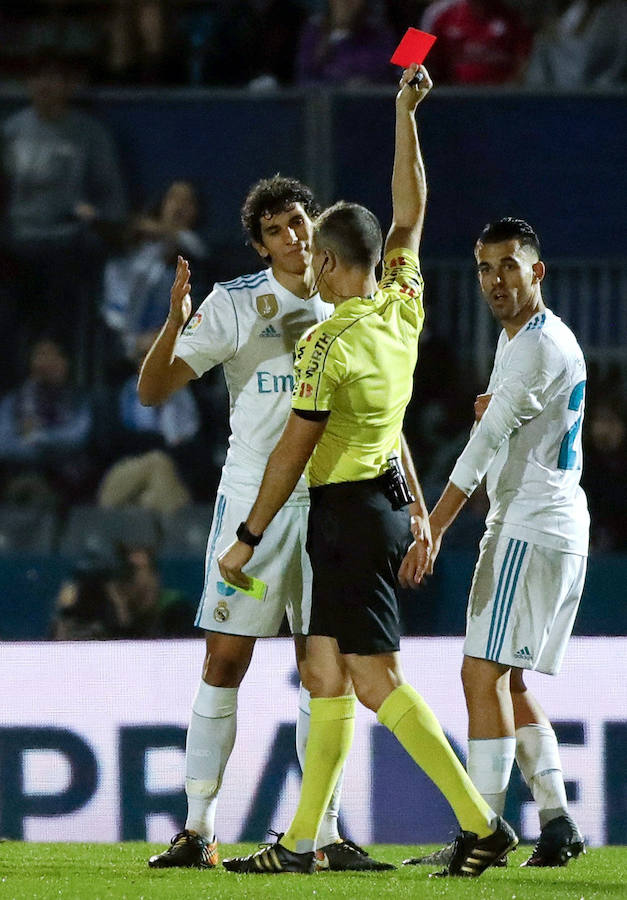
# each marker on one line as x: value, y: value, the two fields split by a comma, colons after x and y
x: 395, y: 486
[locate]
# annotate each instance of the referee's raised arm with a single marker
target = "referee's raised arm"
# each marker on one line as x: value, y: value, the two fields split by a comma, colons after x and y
x: 409, y: 186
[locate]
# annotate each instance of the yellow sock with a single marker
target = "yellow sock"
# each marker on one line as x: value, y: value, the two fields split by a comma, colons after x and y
x: 415, y: 726
x: 330, y: 737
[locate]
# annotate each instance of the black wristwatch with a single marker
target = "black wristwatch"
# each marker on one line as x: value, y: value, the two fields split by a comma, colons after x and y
x: 246, y: 536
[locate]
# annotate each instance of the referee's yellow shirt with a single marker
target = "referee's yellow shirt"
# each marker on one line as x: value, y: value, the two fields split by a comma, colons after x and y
x: 358, y: 365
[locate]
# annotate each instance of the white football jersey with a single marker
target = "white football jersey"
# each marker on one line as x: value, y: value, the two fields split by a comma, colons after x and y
x: 251, y: 325
x: 529, y: 438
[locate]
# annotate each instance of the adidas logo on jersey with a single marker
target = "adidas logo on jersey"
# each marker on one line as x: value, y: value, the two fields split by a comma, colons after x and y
x: 270, y: 331
x: 524, y: 653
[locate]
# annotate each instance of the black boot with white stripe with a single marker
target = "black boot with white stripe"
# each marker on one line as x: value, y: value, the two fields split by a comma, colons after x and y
x: 443, y: 856
x: 473, y: 855
x: 272, y: 859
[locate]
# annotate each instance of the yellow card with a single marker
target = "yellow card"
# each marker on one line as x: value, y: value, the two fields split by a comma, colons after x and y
x: 257, y: 589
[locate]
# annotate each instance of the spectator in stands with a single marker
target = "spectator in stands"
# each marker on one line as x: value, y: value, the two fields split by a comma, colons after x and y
x: 157, y: 453
x: 605, y: 472
x: 45, y: 425
x: 479, y: 42
x: 120, y: 595
x: 281, y: 25
x: 402, y: 13
x: 174, y: 423
x: 149, y: 480
x: 26, y: 27
x: 142, y: 45
x: 144, y: 607
x: 137, y: 284
x: 224, y: 42
x: 63, y: 193
x: 85, y: 609
x: 439, y: 415
x: 581, y: 44
x: 348, y: 44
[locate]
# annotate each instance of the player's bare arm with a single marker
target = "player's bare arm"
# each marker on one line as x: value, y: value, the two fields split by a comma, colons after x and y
x: 162, y: 373
x: 285, y: 465
x: 417, y: 557
x: 418, y: 512
x: 409, y: 185
x: 442, y: 517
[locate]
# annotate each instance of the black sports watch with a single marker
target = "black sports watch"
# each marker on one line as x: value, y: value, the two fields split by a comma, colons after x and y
x: 246, y: 536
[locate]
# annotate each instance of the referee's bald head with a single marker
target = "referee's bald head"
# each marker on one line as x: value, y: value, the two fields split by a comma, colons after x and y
x: 352, y: 232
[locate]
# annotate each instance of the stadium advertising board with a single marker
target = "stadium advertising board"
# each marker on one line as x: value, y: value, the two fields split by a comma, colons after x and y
x: 92, y: 742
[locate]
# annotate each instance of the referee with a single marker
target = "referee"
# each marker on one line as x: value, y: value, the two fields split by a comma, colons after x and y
x: 353, y: 382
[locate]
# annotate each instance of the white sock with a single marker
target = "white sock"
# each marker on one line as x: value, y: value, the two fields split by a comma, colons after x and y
x: 538, y: 758
x: 328, y: 832
x: 490, y: 764
x: 210, y: 739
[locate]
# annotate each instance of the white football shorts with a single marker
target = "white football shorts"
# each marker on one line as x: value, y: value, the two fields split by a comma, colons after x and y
x: 280, y: 560
x: 523, y: 602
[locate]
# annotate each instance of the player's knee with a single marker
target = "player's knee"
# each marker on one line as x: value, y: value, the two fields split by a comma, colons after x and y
x: 371, y: 691
x: 367, y: 695
x: 517, y: 682
x: 482, y: 677
x: 315, y: 680
x: 477, y: 676
x: 467, y: 675
x: 224, y: 671
x: 320, y: 681
x: 303, y: 672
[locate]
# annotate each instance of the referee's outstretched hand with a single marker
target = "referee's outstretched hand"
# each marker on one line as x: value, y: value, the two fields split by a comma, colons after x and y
x: 231, y: 562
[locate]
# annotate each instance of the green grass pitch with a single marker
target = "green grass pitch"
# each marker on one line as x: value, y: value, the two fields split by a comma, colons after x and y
x: 104, y: 871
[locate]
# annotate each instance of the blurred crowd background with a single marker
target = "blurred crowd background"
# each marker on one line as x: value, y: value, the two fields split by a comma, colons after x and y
x: 263, y: 43
x: 107, y: 500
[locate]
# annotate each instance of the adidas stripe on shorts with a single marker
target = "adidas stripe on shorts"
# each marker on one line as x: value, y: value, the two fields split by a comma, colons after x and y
x: 280, y: 560
x: 523, y: 602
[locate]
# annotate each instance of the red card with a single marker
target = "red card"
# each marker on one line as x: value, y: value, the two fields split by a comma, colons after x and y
x: 413, y: 48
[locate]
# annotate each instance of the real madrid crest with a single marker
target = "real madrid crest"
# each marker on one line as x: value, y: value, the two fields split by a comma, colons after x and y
x: 221, y: 613
x: 267, y: 305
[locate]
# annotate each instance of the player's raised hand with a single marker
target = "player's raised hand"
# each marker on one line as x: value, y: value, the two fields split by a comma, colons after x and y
x: 415, y: 564
x: 180, y: 300
x: 410, y: 95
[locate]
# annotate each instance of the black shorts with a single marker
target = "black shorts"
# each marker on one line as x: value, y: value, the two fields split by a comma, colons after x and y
x: 356, y: 542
